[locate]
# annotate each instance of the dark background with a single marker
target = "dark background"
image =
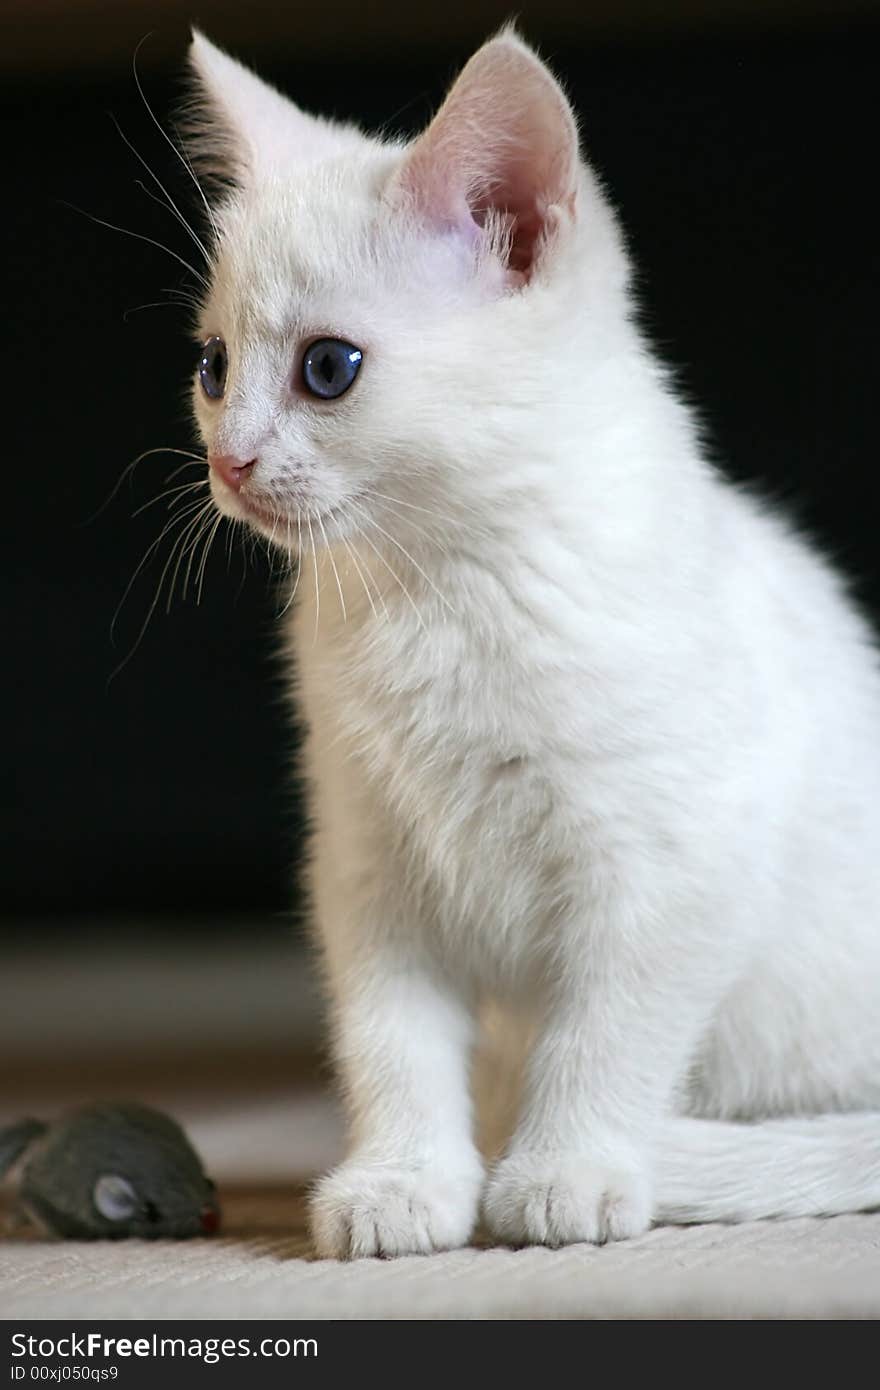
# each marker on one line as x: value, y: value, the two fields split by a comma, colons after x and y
x: 739, y: 141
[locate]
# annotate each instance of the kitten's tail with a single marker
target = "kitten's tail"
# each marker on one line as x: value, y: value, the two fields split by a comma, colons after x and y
x: 709, y: 1170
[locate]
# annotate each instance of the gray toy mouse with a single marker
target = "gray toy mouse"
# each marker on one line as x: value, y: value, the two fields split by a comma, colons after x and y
x: 110, y: 1170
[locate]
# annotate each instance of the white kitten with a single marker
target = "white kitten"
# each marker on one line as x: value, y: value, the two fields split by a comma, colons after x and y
x: 592, y: 735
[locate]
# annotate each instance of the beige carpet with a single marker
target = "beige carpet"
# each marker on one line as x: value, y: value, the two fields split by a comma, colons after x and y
x: 260, y: 1268
x: 226, y: 1048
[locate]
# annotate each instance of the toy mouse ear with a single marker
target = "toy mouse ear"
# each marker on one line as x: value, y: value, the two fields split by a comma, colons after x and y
x: 114, y: 1197
x: 504, y: 141
x: 15, y: 1139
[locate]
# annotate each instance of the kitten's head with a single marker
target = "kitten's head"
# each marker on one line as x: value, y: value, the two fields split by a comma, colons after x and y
x: 384, y: 321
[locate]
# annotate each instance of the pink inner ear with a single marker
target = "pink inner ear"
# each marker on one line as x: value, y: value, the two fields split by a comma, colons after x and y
x: 503, y: 142
x: 519, y: 201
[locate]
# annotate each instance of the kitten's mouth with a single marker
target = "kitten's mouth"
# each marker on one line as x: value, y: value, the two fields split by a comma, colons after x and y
x: 256, y: 511
x: 285, y: 522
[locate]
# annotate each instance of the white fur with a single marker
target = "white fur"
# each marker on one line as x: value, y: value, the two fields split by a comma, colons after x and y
x: 592, y: 734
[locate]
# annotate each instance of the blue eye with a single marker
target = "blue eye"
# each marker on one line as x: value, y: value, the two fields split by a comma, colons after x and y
x: 213, y: 365
x: 329, y: 367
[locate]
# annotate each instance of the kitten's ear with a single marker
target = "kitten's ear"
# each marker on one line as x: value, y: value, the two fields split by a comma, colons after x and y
x: 503, y: 142
x: 242, y: 129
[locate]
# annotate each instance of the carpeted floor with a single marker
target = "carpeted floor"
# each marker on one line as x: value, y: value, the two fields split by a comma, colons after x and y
x: 249, y: 1093
x: 261, y: 1268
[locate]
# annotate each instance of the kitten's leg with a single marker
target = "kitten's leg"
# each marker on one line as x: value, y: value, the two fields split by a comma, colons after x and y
x: 619, y: 1023
x: 412, y: 1179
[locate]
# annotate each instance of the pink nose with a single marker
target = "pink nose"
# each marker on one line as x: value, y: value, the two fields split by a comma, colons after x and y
x: 233, y: 471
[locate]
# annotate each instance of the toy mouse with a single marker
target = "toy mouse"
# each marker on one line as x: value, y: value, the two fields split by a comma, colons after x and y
x: 107, y: 1171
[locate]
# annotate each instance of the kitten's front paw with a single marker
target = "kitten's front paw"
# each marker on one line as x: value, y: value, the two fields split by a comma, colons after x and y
x: 547, y: 1199
x: 388, y: 1209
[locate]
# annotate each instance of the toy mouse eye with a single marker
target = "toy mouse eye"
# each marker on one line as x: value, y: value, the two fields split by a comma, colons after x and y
x: 114, y: 1197
x: 213, y: 366
x: 329, y: 367
x: 151, y: 1212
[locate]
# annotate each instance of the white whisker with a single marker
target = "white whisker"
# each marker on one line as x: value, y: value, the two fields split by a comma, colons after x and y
x: 275, y: 520
x: 298, y: 565
x: 209, y: 542
x: 167, y: 138
x: 187, y: 164
x: 411, y: 506
x: 138, y: 236
x: 173, y: 492
x: 420, y: 530
x: 170, y: 203
x: 204, y: 521
x: 354, y: 561
x: 193, y: 463
x: 155, y: 304
x: 335, y: 570
x: 129, y: 469
x: 317, y: 581
x: 168, y: 206
x: 183, y: 295
x: 395, y: 576
x: 175, y: 520
x: 427, y: 578
x: 373, y: 580
x: 460, y: 525
x: 244, y: 560
x: 192, y: 527
x: 230, y: 532
x: 178, y: 549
